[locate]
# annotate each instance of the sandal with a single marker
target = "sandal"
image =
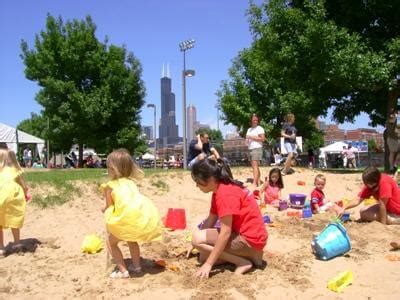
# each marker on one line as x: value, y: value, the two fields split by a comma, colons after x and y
x: 135, y: 270
x: 119, y: 274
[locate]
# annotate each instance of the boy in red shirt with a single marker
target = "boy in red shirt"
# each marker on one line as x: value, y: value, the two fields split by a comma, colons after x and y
x: 383, y: 188
x: 242, y: 235
x: 318, y: 201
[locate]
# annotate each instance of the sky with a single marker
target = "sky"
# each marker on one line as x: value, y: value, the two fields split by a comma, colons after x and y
x: 152, y: 30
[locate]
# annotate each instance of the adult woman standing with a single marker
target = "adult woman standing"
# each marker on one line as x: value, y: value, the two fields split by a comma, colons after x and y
x: 255, y: 136
x: 288, y: 133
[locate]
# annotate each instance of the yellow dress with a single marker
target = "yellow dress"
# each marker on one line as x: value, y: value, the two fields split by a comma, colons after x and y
x: 133, y: 217
x: 12, y: 199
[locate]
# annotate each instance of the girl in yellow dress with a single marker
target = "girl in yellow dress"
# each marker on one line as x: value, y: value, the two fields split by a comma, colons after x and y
x: 129, y: 215
x: 12, y: 197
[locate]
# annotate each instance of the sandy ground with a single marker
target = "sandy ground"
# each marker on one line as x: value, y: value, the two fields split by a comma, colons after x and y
x: 58, y: 269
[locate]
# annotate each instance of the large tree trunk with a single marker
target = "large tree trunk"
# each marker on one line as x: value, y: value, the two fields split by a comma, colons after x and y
x: 80, y: 160
x: 391, y: 104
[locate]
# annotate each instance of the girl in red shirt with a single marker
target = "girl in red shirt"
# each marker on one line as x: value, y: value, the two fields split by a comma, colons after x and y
x: 383, y: 188
x: 242, y: 235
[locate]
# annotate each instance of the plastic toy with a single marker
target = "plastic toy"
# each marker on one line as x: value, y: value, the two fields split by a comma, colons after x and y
x: 91, y: 244
x: 331, y: 242
x: 345, y: 217
x: 301, y: 182
x: 370, y: 201
x: 282, y: 205
x: 175, y: 219
x: 339, y: 282
x: 266, y: 219
x: 297, y: 214
x: 307, y: 213
x: 297, y: 199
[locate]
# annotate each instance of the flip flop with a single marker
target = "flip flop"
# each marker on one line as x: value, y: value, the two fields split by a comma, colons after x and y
x: 119, y: 274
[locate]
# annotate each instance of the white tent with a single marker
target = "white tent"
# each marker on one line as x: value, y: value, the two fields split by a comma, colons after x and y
x: 10, y: 136
x: 336, y: 147
x: 148, y: 156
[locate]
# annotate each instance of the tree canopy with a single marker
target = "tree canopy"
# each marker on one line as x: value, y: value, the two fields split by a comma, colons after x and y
x: 305, y: 59
x: 91, y: 91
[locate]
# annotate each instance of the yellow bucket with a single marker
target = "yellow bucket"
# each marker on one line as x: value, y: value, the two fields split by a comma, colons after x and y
x: 91, y: 244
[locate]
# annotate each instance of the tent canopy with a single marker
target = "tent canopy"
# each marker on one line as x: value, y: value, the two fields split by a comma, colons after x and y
x: 336, y: 147
x: 9, y: 136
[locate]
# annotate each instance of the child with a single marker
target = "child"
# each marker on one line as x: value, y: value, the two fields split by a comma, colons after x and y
x: 272, y: 187
x: 242, y: 235
x: 129, y: 216
x: 318, y: 201
x: 383, y: 188
x: 12, y: 197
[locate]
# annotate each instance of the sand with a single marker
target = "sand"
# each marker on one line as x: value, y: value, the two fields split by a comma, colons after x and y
x: 57, y: 268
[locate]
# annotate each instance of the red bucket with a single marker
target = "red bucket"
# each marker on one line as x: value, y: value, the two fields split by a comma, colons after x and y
x: 175, y: 219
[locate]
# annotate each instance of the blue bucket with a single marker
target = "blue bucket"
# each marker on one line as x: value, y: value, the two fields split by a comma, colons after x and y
x: 331, y: 242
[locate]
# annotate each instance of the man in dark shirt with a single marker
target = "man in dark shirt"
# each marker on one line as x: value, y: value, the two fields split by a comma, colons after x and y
x: 200, y: 148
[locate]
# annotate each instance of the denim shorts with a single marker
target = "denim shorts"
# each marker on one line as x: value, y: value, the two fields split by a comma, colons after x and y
x: 290, y: 147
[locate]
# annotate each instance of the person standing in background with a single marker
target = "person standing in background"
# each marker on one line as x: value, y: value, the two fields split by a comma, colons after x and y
x: 255, y: 137
x: 288, y: 133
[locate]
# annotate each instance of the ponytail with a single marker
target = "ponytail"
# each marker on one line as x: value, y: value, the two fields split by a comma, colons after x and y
x: 206, y: 168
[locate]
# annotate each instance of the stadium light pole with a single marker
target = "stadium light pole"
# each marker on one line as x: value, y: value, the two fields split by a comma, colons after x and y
x: 184, y: 46
x: 154, y: 134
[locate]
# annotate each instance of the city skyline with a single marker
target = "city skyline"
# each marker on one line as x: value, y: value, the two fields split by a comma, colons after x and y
x: 152, y: 30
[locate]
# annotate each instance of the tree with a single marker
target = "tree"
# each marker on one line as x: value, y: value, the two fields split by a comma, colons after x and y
x: 91, y: 92
x: 301, y: 61
x: 36, y: 126
x: 216, y: 138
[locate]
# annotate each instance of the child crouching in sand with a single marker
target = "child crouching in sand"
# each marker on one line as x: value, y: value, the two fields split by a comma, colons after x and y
x: 129, y: 216
x: 242, y: 236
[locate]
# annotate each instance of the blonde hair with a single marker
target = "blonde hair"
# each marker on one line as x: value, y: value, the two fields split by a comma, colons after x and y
x: 3, y: 158
x: 289, y: 117
x: 319, y: 177
x: 120, y: 164
x: 12, y: 160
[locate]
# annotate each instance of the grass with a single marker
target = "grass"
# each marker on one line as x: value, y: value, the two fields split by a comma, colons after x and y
x: 62, y: 181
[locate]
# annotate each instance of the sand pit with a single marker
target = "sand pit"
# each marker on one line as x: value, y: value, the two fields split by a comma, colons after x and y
x: 56, y: 268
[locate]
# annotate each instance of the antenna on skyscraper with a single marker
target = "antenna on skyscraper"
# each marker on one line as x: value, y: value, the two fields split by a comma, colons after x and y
x: 168, y: 70
x: 163, y: 71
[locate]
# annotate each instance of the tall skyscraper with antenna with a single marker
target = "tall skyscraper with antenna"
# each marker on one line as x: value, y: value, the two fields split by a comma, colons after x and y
x: 168, y: 130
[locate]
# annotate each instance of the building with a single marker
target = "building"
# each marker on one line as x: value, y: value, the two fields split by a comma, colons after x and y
x: 332, y: 133
x: 191, y: 114
x: 168, y: 130
x: 148, y: 132
x: 235, y: 149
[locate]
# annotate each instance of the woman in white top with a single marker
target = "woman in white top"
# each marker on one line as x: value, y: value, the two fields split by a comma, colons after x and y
x: 255, y: 137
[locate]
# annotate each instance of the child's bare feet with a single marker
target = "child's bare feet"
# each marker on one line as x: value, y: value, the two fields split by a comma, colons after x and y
x: 395, y: 245
x: 241, y: 269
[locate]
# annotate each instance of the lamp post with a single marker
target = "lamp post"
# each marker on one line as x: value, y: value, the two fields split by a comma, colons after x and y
x: 154, y: 134
x: 184, y: 46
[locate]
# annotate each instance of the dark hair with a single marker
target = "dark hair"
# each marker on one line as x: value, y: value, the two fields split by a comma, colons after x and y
x: 371, y: 175
x: 254, y: 115
x: 206, y: 168
x: 279, y: 183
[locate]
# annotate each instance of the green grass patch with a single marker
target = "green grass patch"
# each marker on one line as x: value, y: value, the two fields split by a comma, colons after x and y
x: 62, y: 181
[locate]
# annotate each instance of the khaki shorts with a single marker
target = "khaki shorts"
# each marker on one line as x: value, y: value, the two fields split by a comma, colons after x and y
x: 393, y: 144
x: 239, y: 246
x: 256, y: 154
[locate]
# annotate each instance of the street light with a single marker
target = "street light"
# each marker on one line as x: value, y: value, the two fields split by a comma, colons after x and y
x: 154, y: 134
x: 184, y: 46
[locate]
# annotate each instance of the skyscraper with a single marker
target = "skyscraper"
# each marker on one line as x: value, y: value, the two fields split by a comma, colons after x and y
x: 191, y: 122
x: 168, y: 130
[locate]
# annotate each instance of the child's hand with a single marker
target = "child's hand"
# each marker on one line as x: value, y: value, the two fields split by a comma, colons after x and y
x: 204, y: 271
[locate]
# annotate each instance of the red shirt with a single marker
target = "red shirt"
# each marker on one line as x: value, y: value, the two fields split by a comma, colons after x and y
x: 232, y: 200
x: 388, y: 189
x: 317, y: 197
